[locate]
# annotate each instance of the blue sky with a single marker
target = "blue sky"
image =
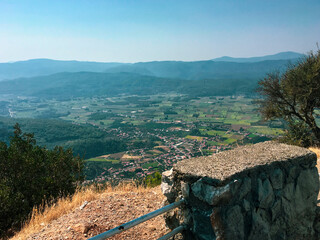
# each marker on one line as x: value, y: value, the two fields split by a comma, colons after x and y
x: 149, y: 30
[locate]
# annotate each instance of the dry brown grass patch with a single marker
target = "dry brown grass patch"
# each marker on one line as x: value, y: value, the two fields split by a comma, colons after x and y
x: 317, y: 151
x: 45, y: 214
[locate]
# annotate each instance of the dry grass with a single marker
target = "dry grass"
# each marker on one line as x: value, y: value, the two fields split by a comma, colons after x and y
x: 45, y: 214
x: 316, y: 150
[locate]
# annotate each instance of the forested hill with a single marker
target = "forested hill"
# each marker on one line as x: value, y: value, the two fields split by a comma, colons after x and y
x: 53, y: 132
x: 88, y: 84
x: 193, y: 78
x: 204, y: 69
x: 278, y: 56
x: 38, y: 67
x: 216, y: 68
x: 86, y: 79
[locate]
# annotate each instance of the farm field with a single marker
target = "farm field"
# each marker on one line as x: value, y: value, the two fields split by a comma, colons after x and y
x: 158, y: 130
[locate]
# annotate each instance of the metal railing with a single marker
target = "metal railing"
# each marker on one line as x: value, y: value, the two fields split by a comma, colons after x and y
x: 142, y: 219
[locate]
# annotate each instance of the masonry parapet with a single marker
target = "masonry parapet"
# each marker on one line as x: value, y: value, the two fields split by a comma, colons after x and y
x: 263, y: 191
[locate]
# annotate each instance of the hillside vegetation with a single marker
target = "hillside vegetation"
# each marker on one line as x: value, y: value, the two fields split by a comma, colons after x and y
x: 71, y: 79
x: 64, y: 86
x: 37, y: 67
x: 172, y: 69
x: 30, y: 175
x: 55, y: 132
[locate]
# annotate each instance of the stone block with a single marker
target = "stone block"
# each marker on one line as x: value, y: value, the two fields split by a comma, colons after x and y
x: 276, y: 210
x: 167, y: 186
x: 210, y: 194
x: 308, y: 181
x: 217, y: 224
x: 234, y: 223
x: 262, y: 191
x: 185, y: 189
x: 276, y: 178
x: 245, y: 188
x: 288, y: 191
x: 293, y: 173
x: 260, y: 228
x: 246, y: 205
x: 265, y: 193
x: 202, y: 225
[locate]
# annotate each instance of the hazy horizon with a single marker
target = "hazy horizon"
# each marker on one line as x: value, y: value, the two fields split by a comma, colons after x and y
x: 143, y: 31
x: 141, y: 61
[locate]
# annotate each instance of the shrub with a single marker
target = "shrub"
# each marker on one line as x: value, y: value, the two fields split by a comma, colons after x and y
x: 31, y: 175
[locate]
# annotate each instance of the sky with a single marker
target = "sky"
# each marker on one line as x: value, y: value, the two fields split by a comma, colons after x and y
x: 155, y: 30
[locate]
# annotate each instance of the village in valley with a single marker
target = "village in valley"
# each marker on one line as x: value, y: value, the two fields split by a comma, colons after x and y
x: 158, y: 130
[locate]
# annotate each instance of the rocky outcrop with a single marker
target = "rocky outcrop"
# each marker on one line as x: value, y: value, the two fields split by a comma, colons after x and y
x: 263, y: 191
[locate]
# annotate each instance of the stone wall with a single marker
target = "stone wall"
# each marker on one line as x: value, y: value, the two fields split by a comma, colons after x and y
x: 262, y: 191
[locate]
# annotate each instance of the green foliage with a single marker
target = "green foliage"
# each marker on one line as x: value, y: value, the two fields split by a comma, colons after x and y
x: 30, y: 174
x: 294, y: 96
x: 169, y: 111
x: 100, y: 116
x: 152, y: 180
x: 51, y: 132
x: 298, y: 133
x: 94, y: 147
x: 148, y: 143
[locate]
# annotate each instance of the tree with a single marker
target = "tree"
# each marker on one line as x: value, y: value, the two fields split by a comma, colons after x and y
x: 294, y: 96
x: 30, y: 175
x: 152, y: 180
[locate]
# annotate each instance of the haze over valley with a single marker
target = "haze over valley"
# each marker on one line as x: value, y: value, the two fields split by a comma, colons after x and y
x: 133, y: 120
x: 100, y: 97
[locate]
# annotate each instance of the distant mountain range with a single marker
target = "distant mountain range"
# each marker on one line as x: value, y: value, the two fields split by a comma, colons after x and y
x: 47, y: 78
x: 89, y: 84
x: 40, y: 67
x: 202, y: 69
x: 216, y: 68
x: 278, y: 56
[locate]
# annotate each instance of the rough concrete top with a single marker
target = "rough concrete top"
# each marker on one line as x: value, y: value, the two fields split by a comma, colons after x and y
x: 224, y: 165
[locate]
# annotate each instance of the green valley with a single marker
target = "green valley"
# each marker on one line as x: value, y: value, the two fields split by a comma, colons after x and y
x: 133, y: 136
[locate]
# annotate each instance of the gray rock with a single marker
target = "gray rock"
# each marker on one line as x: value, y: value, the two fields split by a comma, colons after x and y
x: 210, y: 194
x: 217, y: 224
x: 260, y: 229
x: 245, y: 187
x: 276, y: 179
x: 235, y: 223
x: 167, y: 186
x: 278, y: 229
x: 172, y: 219
x: 288, y: 191
x: 265, y: 193
x: 292, y: 173
x: 276, y: 210
x: 308, y: 181
x: 185, y: 189
x: 287, y: 210
x: 227, y: 164
x: 246, y: 205
x: 317, y: 221
x: 167, y: 177
x: 202, y: 225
